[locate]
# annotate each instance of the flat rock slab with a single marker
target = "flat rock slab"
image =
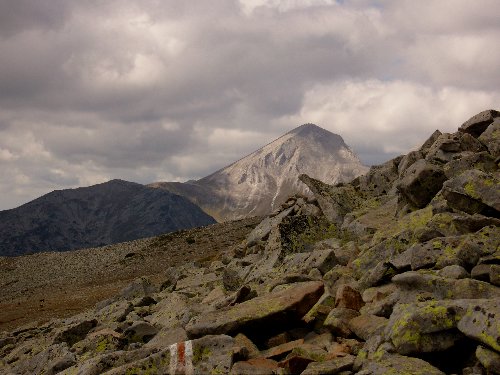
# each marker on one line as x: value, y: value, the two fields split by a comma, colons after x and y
x: 273, y: 308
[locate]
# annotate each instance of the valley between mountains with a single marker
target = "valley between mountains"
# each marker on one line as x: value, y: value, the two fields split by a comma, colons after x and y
x: 395, y: 270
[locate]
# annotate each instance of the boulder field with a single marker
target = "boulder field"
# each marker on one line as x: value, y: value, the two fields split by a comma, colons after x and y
x: 396, y: 272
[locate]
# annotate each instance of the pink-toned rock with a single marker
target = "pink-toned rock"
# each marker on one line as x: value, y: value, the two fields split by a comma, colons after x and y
x: 348, y: 298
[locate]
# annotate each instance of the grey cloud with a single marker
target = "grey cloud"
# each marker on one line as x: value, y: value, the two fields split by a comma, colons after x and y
x: 165, y: 90
x: 21, y: 15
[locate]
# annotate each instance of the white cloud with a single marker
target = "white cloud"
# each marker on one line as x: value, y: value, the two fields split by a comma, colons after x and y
x: 383, y: 119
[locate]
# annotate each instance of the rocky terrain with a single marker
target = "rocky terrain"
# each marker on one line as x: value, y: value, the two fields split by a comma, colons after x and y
x: 42, y: 286
x: 260, y: 182
x: 395, y: 272
x: 112, y: 212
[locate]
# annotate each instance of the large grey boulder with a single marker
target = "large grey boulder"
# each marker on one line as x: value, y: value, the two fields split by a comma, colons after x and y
x: 474, y: 192
x: 477, y: 124
x: 207, y: 355
x: 274, y: 308
x: 447, y: 146
x: 335, y: 201
x: 426, y: 326
x: 323, y: 260
x: 52, y: 360
x: 75, y: 332
x: 261, y: 231
x: 420, y: 183
x: 481, y: 322
x: 380, y: 178
x: 464, y: 161
x: 415, y: 284
x: 491, y: 138
x: 141, y: 287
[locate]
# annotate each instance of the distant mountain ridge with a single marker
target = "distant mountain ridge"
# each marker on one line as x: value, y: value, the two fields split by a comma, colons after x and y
x: 258, y: 183
x: 115, y: 211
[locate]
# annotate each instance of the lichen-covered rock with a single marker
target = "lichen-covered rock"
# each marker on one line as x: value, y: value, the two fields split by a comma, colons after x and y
x: 140, y: 332
x: 323, y: 260
x: 464, y: 161
x: 207, y: 355
x: 75, y: 332
x: 425, y: 326
x: 116, y: 311
x: 335, y: 201
x: 414, y: 284
x: 141, y: 287
x: 172, y: 311
x: 209, y: 279
x: 491, y: 138
x: 166, y: 337
x: 474, y: 192
x: 448, y: 145
x: 333, y: 366
x: 481, y: 322
x: 477, y: 124
x: 338, y: 319
x: 380, y: 178
x: 98, y: 342
x: 420, y: 183
x: 489, y: 359
x: 261, y: 231
x: 453, y: 272
x: 273, y: 309
x: 51, y: 360
x: 386, y: 363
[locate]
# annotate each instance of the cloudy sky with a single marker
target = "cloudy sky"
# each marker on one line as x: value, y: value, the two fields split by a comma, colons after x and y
x: 169, y: 90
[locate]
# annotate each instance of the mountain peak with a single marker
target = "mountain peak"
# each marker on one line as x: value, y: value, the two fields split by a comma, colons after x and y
x: 263, y: 180
x: 307, y: 128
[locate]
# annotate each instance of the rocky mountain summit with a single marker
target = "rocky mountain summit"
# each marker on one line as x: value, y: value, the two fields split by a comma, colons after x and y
x: 260, y: 182
x: 395, y: 272
x: 115, y: 211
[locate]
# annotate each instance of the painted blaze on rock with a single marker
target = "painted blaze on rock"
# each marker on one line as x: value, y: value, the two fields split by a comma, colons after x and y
x: 274, y: 308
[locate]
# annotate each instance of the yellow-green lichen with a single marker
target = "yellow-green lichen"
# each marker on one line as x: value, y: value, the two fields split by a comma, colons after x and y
x: 200, y: 354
